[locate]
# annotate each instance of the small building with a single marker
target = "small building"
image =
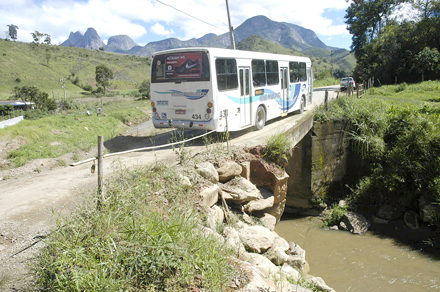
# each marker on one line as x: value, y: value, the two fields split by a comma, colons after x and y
x: 19, y: 104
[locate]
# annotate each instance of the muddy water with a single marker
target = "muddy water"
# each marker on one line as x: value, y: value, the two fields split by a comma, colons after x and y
x: 361, y: 262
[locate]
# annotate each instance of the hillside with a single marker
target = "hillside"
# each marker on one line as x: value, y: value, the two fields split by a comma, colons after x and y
x: 44, y: 65
x: 343, y: 61
x: 342, y: 58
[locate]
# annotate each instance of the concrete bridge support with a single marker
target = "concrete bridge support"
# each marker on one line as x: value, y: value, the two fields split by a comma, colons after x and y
x: 318, y: 161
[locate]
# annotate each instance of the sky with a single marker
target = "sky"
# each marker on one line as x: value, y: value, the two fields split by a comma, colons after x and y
x: 153, y: 20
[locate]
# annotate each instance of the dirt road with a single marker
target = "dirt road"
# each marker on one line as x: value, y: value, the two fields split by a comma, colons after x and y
x: 29, y: 202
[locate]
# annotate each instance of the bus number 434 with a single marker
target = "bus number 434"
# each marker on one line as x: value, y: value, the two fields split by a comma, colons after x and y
x: 197, y: 117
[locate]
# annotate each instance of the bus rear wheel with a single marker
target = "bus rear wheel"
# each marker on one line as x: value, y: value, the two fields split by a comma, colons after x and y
x: 302, y: 105
x: 260, y: 118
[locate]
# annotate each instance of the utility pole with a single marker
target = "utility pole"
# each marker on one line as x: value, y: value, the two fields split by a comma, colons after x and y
x: 231, y: 29
x: 331, y: 61
x: 64, y: 87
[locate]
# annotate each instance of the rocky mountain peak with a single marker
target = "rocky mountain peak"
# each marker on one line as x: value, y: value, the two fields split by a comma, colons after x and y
x: 120, y: 43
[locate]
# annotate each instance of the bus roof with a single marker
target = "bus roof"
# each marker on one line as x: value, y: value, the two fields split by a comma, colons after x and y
x: 229, y: 53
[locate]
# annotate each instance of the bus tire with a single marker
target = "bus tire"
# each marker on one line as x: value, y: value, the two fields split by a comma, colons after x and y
x: 260, y: 118
x: 302, y: 105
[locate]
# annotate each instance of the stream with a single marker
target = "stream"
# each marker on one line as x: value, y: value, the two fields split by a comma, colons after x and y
x: 365, y: 262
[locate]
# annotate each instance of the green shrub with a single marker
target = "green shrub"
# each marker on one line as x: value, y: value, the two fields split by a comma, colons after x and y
x: 401, y: 87
x: 34, y: 114
x: 335, y: 215
x: 278, y: 149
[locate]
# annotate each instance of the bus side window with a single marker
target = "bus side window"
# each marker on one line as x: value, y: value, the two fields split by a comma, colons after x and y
x: 272, y: 72
x: 294, y: 74
x: 302, y: 72
x: 258, y: 73
x: 226, y: 70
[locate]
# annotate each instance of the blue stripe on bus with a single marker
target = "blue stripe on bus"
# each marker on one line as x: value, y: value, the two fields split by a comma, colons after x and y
x: 269, y: 94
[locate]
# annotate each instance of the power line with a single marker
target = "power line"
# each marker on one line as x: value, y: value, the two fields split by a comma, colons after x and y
x: 190, y: 15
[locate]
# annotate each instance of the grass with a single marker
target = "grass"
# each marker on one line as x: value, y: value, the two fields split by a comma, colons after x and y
x: 43, y: 66
x: 325, y: 82
x: 55, y: 135
x: 278, y: 149
x: 144, y: 237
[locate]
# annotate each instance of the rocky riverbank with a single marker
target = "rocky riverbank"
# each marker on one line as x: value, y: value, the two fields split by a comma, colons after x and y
x: 243, y: 201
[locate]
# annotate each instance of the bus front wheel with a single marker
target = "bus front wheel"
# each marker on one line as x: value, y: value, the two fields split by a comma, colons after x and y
x: 260, y: 119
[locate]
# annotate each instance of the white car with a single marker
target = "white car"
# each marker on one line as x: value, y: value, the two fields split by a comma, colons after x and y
x: 345, y: 81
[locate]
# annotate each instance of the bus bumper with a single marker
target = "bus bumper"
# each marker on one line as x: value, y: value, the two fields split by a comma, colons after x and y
x: 194, y: 125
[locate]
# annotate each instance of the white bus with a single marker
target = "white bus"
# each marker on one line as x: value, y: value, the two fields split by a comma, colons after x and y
x: 211, y: 88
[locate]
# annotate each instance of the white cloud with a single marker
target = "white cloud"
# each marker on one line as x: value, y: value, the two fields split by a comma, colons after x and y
x: 159, y: 29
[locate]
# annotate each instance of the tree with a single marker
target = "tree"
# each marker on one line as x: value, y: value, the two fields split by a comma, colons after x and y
x: 144, y: 89
x: 33, y: 94
x: 47, y: 39
x: 103, y: 76
x: 13, y: 31
x: 427, y: 60
x: 37, y: 36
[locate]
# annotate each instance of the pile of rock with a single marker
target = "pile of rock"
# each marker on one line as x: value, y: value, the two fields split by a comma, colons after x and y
x: 266, y: 259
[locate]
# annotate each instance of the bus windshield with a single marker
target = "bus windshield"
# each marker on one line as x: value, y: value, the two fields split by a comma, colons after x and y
x: 177, y: 67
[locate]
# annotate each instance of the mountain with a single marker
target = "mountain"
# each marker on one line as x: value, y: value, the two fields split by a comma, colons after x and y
x: 285, y: 34
x: 173, y: 43
x: 120, y: 44
x: 90, y: 40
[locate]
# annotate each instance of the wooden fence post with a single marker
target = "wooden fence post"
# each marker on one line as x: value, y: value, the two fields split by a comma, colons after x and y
x: 326, y: 99
x: 100, y: 171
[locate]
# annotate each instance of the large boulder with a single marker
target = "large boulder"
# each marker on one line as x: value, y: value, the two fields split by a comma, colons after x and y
x: 427, y: 210
x: 232, y: 240
x: 259, y: 205
x: 411, y: 219
x: 207, y: 170
x: 228, y: 170
x: 320, y: 284
x: 263, y: 264
x: 210, y: 195
x: 268, y: 221
x: 355, y: 223
x: 290, y: 272
x: 256, y: 282
x: 277, y: 256
x: 240, y: 190
x: 276, y: 210
x: 214, y: 217
x: 297, y: 256
x: 256, y: 238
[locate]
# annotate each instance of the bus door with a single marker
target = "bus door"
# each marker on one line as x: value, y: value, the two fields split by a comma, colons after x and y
x: 284, y: 90
x: 309, y: 85
x: 245, y: 89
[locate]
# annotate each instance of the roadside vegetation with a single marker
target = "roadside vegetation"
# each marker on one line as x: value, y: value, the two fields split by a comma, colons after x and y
x: 50, y: 135
x: 396, y: 130
x: 142, y: 238
x: 327, y: 81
